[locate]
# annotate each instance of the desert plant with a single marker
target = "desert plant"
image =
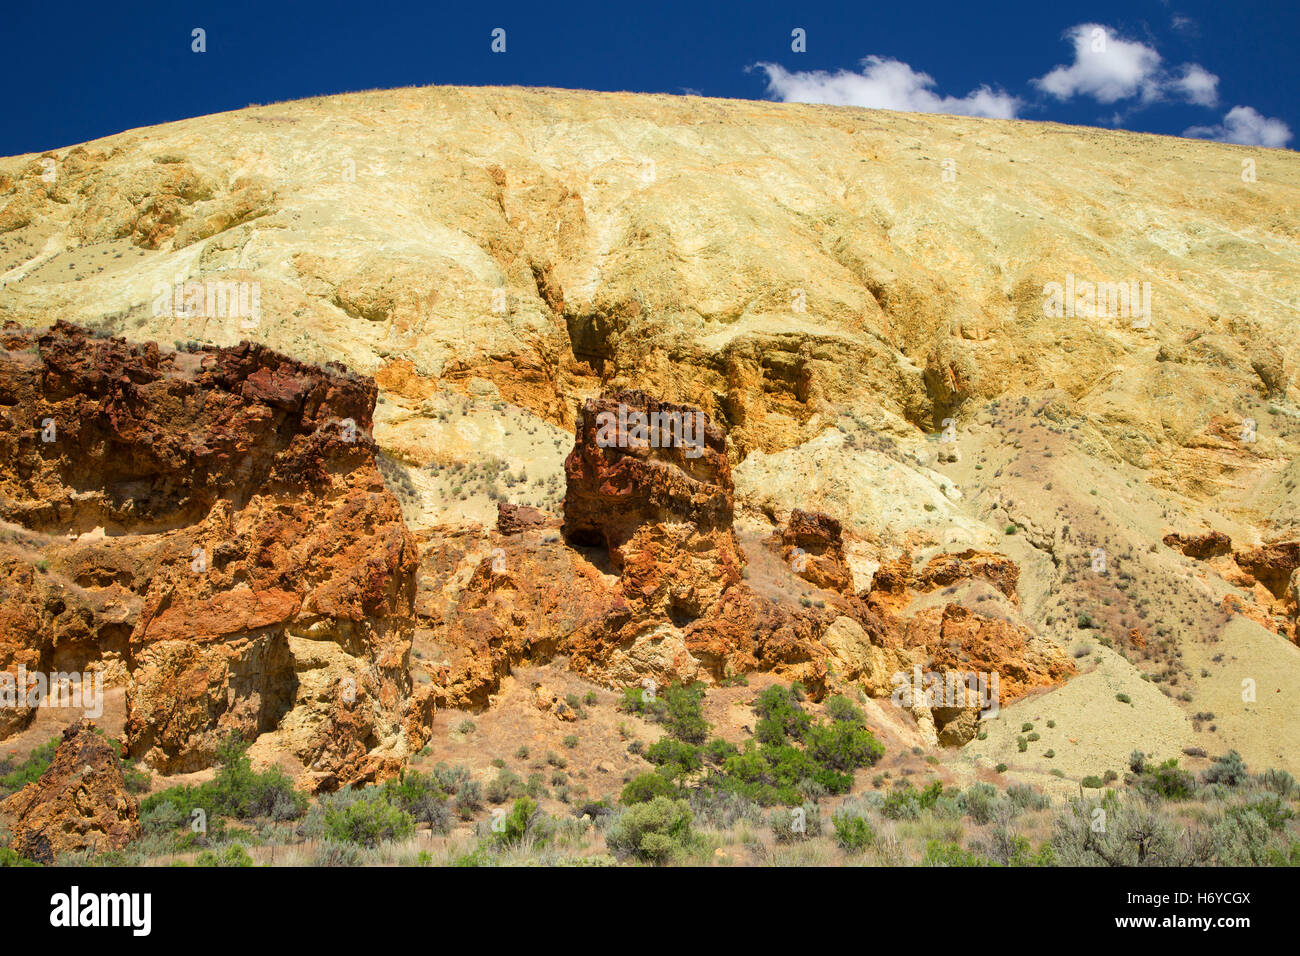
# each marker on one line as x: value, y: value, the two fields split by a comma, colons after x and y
x: 654, y: 832
x: 368, y: 820
x: 853, y: 833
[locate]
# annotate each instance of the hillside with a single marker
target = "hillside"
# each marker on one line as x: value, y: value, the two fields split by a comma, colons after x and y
x: 910, y: 459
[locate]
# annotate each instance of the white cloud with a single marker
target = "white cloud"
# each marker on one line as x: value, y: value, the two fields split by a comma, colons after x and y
x: 1105, y: 67
x: 1109, y: 68
x: 1196, y: 85
x: 885, y: 84
x: 1246, y: 126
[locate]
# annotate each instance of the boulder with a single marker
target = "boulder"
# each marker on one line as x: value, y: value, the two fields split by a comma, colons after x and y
x: 813, y: 545
x: 79, y: 803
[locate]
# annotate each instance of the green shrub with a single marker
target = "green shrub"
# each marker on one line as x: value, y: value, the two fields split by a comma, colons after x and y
x: 337, y: 854
x: 30, y: 770
x: 791, y: 757
x: 843, y: 745
x: 905, y: 802
x: 978, y: 802
x: 1135, y: 834
x: 840, y: 707
x: 506, y: 785
x: 653, y: 832
x: 524, y: 821
x: 240, y: 793
x: 1024, y: 797
x: 853, y: 834
x: 422, y: 797
x: 676, y: 758
x: 236, y: 791
x: 1228, y: 770
x: 780, y: 716
x: 717, y: 750
x: 10, y: 857
x: 234, y: 854
x: 135, y: 779
x: 1166, y: 780
x: 636, y: 701
x: 684, y: 712
x: 1280, y: 782
x: 646, y: 787
x: 795, y: 823
x: 368, y: 820
x: 938, y: 853
x: 1268, y: 808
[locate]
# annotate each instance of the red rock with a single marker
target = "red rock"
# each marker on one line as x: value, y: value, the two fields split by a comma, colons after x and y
x: 243, y: 506
x: 812, y: 543
x: 515, y: 519
x: 663, y: 513
x: 79, y: 803
x: 1200, y: 546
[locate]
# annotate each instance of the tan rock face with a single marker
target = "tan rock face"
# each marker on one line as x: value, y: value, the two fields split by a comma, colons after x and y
x: 781, y: 267
x: 257, y: 570
x: 495, y: 259
x: 79, y: 803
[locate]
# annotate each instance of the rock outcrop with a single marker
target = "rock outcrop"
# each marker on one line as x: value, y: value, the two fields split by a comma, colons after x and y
x: 1267, y: 573
x: 212, y: 531
x: 79, y: 803
x: 813, y: 545
x: 649, y: 583
x: 514, y: 519
x: 1276, y: 568
x: 649, y: 587
x: 1200, y: 546
x: 959, y: 642
x: 649, y: 482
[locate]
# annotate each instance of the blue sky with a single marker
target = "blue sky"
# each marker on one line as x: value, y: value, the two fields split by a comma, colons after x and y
x: 1229, y: 71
